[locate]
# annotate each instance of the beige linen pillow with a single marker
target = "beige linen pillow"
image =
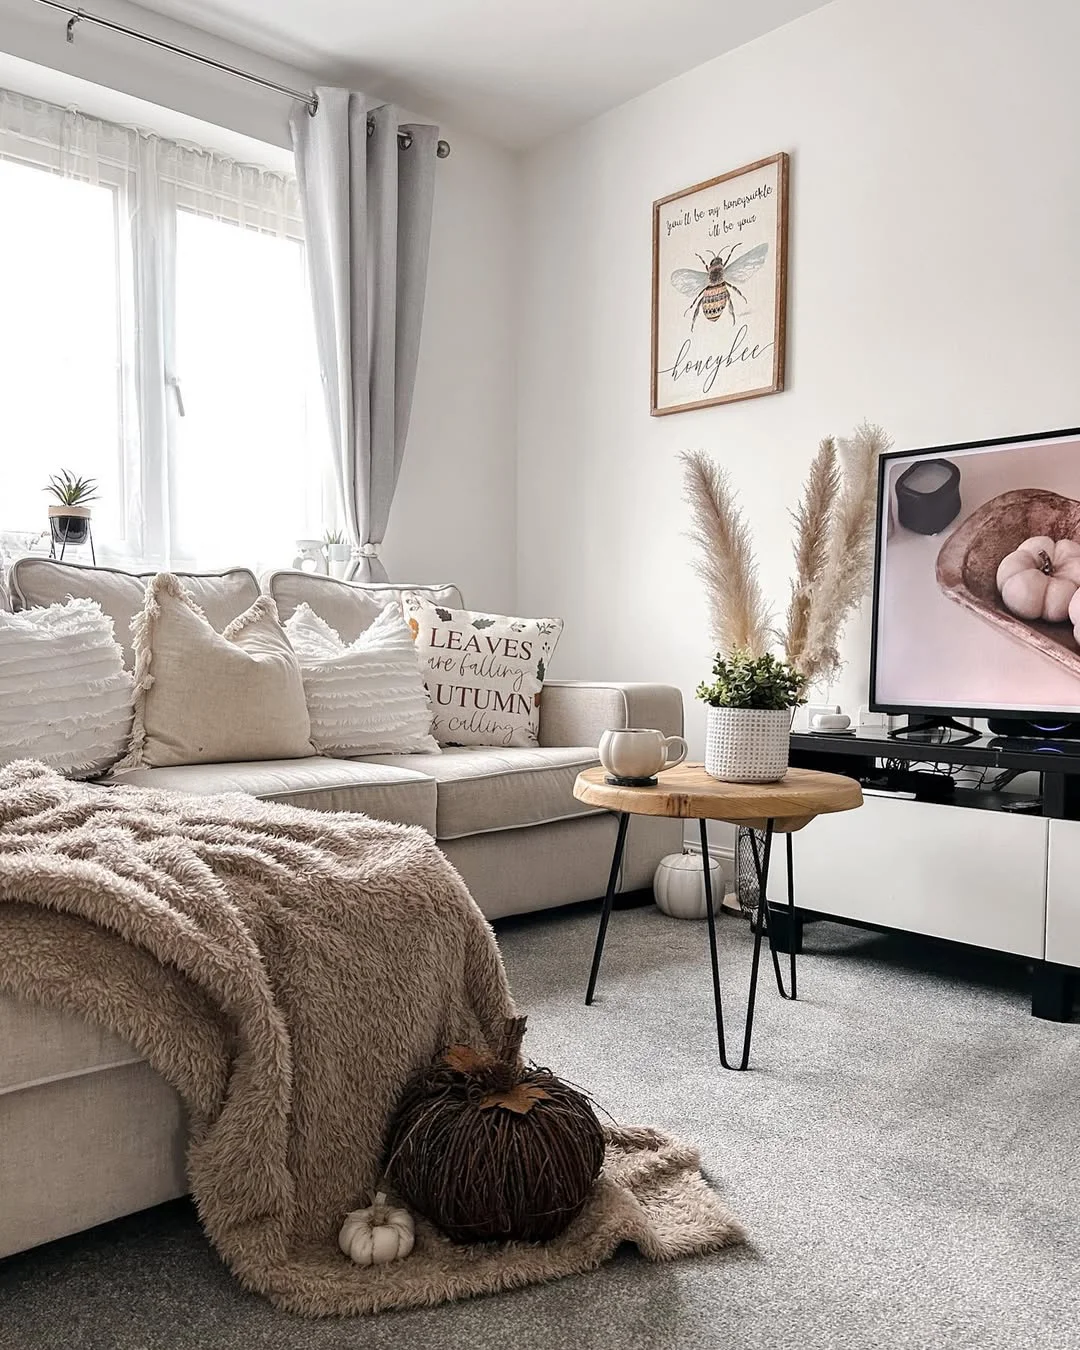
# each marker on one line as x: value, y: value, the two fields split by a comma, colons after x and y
x: 203, y: 697
x: 485, y: 672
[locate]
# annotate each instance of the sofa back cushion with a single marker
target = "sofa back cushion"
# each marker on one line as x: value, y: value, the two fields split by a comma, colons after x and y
x: 221, y: 596
x: 349, y: 607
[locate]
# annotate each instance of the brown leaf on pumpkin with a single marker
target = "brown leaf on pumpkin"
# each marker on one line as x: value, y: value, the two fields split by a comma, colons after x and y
x: 464, y: 1059
x: 521, y: 1099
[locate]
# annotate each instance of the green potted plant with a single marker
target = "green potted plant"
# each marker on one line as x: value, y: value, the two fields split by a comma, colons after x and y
x: 751, y: 701
x: 338, y: 553
x: 69, y: 518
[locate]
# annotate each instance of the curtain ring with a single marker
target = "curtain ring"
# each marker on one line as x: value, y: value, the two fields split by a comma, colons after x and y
x: 404, y: 139
x: 313, y: 104
x: 71, y: 26
x: 371, y: 126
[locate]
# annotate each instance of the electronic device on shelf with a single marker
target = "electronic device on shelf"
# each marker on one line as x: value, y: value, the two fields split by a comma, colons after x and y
x: 945, y: 644
x: 1045, y: 729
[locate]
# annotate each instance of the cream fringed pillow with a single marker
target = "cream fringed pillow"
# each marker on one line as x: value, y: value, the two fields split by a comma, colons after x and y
x: 204, y: 697
x: 484, y: 672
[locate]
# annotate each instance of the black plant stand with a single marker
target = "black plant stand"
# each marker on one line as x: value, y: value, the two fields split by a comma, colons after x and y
x: 64, y: 541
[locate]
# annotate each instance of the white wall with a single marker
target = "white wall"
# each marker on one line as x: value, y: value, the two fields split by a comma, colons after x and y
x: 453, y: 514
x: 934, y: 287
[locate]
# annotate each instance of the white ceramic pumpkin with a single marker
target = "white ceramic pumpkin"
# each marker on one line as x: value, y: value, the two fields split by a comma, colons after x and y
x: 1039, y: 579
x: 378, y: 1234
x: 679, y: 886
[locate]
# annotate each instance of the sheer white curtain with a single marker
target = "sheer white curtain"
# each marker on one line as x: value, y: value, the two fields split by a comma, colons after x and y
x: 67, y: 325
x: 157, y: 335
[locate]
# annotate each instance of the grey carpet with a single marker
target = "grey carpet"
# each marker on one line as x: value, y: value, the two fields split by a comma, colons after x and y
x: 905, y: 1153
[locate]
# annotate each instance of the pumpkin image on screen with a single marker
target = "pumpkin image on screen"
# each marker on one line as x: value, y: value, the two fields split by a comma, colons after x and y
x: 1039, y: 579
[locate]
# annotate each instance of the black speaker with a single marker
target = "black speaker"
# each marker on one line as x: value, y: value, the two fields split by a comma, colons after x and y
x: 1045, y: 729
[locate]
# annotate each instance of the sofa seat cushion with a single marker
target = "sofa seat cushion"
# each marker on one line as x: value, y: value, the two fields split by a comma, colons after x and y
x: 482, y: 789
x: 384, y: 791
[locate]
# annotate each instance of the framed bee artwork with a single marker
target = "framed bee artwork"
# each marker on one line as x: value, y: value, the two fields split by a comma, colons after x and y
x: 719, y: 283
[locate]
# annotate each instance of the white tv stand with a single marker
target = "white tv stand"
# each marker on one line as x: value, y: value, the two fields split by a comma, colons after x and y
x: 968, y: 866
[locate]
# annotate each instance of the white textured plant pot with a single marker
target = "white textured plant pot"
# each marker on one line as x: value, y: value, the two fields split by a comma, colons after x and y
x: 679, y: 885
x: 339, y: 560
x: 747, y: 745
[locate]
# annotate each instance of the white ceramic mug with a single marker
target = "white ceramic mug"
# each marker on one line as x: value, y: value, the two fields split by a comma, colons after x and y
x: 639, y: 752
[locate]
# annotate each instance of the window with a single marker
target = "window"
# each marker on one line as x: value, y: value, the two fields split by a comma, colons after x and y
x: 59, y: 342
x: 155, y: 333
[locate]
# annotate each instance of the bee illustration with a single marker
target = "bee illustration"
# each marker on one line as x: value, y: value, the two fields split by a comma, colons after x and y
x: 711, y: 289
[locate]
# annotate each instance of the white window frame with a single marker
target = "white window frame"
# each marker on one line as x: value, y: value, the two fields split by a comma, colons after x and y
x: 151, y: 178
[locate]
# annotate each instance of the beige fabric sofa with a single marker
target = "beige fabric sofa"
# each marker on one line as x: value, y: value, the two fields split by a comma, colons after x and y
x: 89, y: 1131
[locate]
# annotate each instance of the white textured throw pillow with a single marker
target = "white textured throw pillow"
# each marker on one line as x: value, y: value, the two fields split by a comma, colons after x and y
x: 203, y: 697
x: 484, y: 672
x: 65, y: 697
x: 367, y: 697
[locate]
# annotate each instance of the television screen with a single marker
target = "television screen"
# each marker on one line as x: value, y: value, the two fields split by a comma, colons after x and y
x: 977, y: 579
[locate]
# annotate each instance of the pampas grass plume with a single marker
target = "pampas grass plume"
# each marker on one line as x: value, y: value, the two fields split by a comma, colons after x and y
x: 845, y: 575
x: 725, y: 562
x: 834, y: 536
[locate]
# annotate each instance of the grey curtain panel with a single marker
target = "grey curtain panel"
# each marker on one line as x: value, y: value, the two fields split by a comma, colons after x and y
x: 367, y: 203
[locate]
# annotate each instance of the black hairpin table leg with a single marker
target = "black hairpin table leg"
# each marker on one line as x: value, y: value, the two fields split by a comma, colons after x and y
x: 792, y: 945
x: 605, y: 913
x: 761, y: 867
x: 763, y: 916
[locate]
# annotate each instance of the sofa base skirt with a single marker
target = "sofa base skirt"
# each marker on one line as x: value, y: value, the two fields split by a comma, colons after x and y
x: 85, y: 1149
x: 520, y: 871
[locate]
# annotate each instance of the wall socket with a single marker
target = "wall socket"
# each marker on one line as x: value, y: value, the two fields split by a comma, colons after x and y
x: 878, y: 720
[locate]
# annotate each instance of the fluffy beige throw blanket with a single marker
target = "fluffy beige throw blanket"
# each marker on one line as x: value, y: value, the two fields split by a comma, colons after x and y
x: 285, y: 970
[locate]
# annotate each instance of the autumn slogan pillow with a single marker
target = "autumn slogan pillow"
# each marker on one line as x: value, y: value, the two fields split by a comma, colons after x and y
x: 484, y: 672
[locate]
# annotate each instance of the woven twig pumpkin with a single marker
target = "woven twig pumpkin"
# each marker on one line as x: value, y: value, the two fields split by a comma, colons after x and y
x: 488, y: 1149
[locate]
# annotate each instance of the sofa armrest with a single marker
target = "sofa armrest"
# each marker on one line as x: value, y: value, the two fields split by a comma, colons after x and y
x: 578, y: 712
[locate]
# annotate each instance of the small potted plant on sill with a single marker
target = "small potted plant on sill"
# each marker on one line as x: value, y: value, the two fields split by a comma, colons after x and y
x: 751, y: 703
x: 338, y: 553
x: 69, y: 518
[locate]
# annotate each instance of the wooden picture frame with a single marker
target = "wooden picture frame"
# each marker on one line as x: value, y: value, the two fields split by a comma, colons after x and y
x: 728, y: 342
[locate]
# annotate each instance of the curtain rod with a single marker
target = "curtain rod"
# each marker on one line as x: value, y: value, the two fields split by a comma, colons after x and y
x: 308, y: 97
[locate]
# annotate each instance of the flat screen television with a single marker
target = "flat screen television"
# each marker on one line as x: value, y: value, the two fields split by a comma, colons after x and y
x: 976, y: 565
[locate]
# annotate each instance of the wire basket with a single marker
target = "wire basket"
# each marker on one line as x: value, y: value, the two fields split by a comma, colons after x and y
x: 746, y: 877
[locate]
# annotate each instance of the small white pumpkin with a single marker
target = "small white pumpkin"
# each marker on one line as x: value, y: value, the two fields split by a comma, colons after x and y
x: 679, y: 886
x: 1039, y: 579
x: 378, y: 1234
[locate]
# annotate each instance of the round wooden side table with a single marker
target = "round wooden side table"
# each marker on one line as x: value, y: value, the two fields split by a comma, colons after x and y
x: 688, y: 793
